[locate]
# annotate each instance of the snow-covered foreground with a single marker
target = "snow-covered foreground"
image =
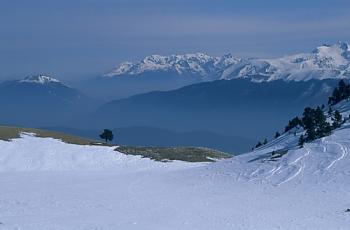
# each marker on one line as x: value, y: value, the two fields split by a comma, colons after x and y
x: 46, y: 184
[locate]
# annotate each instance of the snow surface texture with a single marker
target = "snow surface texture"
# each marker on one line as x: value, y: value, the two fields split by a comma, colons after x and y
x: 323, y: 63
x: 30, y: 153
x: 47, y: 184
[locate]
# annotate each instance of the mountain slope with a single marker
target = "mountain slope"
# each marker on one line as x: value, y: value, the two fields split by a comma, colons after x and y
x: 31, y: 153
x: 109, y: 88
x: 165, y: 153
x: 282, y: 159
x: 235, y: 107
x: 324, y: 62
x: 39, y: 100
x: 319, y: 160
x: 158, y: 72
x: 47, y: 184
x: 153, y: 136
x: 8, y: 133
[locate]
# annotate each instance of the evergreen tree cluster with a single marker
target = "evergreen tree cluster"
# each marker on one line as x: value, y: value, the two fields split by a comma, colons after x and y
x: 261, y: 144
x: 314, y: 120
x: 315, y: 124
x: 337, y: 120
x: 340, y: 93
x: 293, y: 123
x: 258, y: 145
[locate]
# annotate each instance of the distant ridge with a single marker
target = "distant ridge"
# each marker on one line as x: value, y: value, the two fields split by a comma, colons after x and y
x: 324, y: 62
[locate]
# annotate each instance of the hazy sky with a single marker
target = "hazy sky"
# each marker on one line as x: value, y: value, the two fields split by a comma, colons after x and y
x: 82, y: 38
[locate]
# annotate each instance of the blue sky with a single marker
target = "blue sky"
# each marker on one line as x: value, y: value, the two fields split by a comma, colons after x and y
x: 81, y: 38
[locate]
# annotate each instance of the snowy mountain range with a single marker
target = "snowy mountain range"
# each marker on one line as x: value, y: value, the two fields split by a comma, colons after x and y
x: 326, y: 61
x: 200, y: 64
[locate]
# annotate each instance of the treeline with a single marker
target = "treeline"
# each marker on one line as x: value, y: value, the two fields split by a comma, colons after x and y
x: 315, y: 124
x: 314, y: 120
x: 342, y: 92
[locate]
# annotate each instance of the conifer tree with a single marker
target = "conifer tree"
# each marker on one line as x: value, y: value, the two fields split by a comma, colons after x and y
x: 301, y: 141
x: 323, y: 128
x: 315, y: 123
x: 339, y: 93
x: 309, y: 122
x: 277, y: 134
x: 258, y: 145
x: 337, y: 119
x: 265, y: 141
x: 330, y: 111
x: 293, y: 123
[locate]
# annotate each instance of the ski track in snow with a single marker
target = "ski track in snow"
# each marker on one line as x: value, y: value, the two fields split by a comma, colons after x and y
x: 83, y: 188
x: 297, y: 166
x: 344, y: 153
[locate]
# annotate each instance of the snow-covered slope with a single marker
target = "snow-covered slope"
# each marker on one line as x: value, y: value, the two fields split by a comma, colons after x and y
x: 324, y: 62
x: 31, y: 153
x: 47, y: 184
x: 321, y: 161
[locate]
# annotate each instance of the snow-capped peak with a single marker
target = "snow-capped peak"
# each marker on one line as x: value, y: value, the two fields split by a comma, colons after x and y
x: 198, y: 64
x: 343, y: 46
x: 326, y: 61
x: 339, y: 52
x: 39, y: 79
